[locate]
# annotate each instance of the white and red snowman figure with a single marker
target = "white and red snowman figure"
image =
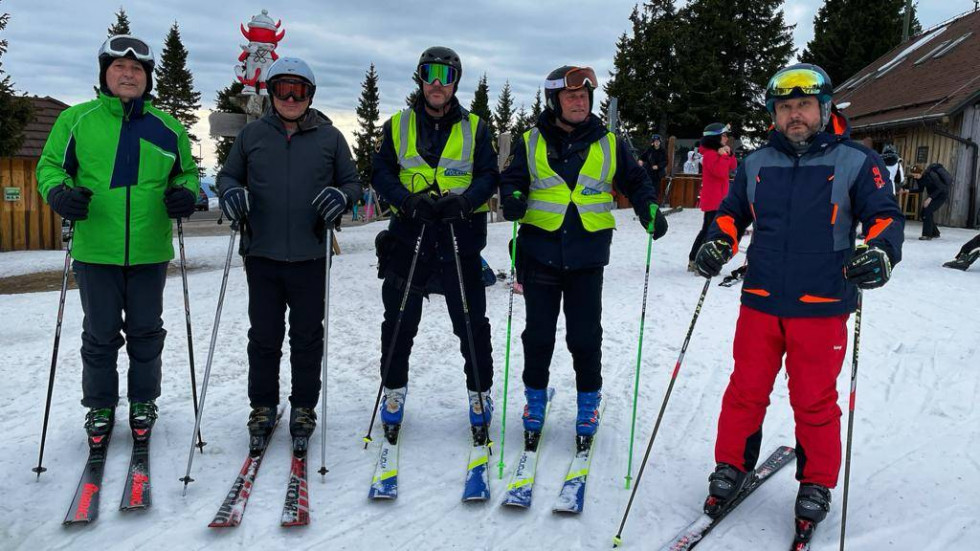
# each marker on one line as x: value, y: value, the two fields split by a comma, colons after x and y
x: 257, y: 56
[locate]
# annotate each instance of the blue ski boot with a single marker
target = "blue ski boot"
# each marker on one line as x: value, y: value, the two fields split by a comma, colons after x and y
x: 587, y: 420
x: 477, y: 417
x: 537, y: 402
x: 393, y: 405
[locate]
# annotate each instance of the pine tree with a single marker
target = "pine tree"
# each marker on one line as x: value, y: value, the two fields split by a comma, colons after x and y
x: 121, y: 26
x: 481, y: 104
x: 15, y: 111
x: 224, y: 103
x: 368, y: 115
x: 536, y: 108
x: 850, y: 34
x: 522, y: 123
x: 503, y: 115
x: 174, y: 83
x: 413, y: 97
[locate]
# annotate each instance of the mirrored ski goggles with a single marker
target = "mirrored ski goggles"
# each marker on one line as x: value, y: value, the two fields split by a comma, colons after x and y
x: 123, y: 45
x: 574, y: 79
x: 431, y: 72
x: 808, y: 81
x: 285, y: 88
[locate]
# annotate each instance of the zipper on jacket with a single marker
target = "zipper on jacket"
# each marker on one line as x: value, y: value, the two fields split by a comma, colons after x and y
x: 129, y: 190
x: 289, y: 170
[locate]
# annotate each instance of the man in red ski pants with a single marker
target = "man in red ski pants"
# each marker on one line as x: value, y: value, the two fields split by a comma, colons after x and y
x: 805, y: 192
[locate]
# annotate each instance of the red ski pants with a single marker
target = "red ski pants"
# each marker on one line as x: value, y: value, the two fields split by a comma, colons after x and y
x: 814, y: 350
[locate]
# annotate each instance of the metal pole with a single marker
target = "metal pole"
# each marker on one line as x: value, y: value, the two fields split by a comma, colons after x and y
x: 850, y: 416
x: 639, y: 360
x: 187, y: 319
x: 510, y: 316
x: 323, y: 376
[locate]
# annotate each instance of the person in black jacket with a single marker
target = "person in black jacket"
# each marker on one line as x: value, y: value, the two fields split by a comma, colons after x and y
x: 654, y: 160
x: 936, y: 181
x: 288, y: 176
x: 559, y: 185
x: 437, y: 168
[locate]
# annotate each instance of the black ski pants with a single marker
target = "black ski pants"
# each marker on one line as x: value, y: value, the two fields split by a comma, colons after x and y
x: 709, y: 217
x: 273, y: 286
x: 107, y: 292
x: 544, y: 287
x: 929, y: 228
x: 398, y: 262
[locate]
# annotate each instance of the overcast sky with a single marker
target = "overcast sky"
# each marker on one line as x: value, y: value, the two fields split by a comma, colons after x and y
x: 53, y: 44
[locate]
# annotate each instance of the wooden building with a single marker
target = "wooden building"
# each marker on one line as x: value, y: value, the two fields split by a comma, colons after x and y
x: 923, y: 97
x: 26, y: 222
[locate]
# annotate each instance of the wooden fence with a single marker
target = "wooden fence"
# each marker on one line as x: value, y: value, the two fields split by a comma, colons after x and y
x: 26, y: 222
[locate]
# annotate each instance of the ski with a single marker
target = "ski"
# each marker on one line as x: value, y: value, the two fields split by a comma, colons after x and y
x: 384, y: 483
x: 697, y: 530
x: 296, y: 510
x: 522, y: 482
x: 136, y: 494
x: 571, y: 499
x: 803, y: 535
x: 477, y: 486
x: 85, y: 505
x: 233, y: 508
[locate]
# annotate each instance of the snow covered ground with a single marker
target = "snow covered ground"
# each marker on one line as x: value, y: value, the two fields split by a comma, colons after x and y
x: 914, y: 474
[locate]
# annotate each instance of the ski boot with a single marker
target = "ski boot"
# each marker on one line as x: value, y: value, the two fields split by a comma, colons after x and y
x: 537, y: 402
x: 260, y: 424
x: 142, y: 416
x: 963, y: 260
x: 587, y: 419
x: 481, y: 416
x: 98, y: 426
x: 393, y: 411
x: 302, y: 423
x: 723, y: 485
x: 812, y: 505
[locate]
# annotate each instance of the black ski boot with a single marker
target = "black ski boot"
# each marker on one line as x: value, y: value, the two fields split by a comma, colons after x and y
x: 812, y: 505
x: 723, y: 485
x: 98, y: 426
x: 260, y: 424
x: 963, y: 260
x: 142, y: 415
x: 302, y: 423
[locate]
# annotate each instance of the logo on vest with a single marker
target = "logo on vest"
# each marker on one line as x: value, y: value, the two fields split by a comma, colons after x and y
x: 456, y: 172
x: 590, y: 191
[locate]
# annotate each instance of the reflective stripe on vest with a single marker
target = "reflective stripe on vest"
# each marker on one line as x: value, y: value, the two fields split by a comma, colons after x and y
x: 549, y: 194
x: 455, y: 171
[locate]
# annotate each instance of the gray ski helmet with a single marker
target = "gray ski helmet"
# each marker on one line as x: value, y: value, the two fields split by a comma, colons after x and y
x: 291, y: 66
x: 126, y: 46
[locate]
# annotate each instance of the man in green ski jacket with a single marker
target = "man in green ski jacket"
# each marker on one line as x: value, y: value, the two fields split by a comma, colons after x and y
x: 119, y: 169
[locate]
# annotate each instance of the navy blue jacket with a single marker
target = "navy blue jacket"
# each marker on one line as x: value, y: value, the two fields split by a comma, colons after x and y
x: 805, y: 209
x: 572, y: 247
x: 432, y: 135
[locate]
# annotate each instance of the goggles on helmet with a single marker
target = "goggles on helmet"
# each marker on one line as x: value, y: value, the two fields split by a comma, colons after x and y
x: 785, y: 83
x: 123, y: 45
x: 285, y: 88
x: 431, y: 72
x: 723, y: 130
x: 574, y: 79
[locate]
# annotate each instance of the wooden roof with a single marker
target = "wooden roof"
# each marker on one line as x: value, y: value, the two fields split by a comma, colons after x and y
x: 930, y: 76
x: 46, y: 111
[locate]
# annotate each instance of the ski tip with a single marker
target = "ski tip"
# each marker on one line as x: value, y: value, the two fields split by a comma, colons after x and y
x: 617, y: 541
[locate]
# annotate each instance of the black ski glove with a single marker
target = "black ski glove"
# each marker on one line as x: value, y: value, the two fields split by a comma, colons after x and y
x: 452, y: 208
x: 180, y: 202
x: 71, y: 203
x: 514, y: 207
x: 419, y: 207
x: 712, y: 256
x: 330, y: 203
x: 234, y: 204
x: 654, y: 221
x: 869, y: 267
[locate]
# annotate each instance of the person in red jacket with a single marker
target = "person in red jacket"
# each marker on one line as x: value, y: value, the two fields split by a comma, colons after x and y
x: 716, y: 164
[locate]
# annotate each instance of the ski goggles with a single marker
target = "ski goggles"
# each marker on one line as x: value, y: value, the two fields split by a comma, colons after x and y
x: 285, y: 88
x: 724, y: 130
x: 125, y: 45
x: 574, y: 79
x: 808, y: 81
x: 431, y: 72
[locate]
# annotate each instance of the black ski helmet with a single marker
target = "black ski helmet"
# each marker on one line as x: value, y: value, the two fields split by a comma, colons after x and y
x: 126, y: 46
x: 551, y: 92
x: 444, y: 56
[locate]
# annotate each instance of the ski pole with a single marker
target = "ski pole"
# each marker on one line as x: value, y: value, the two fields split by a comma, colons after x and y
x: 639, y: 352
x: 323, y: 376
x: 54, y: 353
x: 618, y: 538
x: 850, y: 416
x: 474, y: 368
x: 394, y: 336
x: 510, y: 316
x: 187, y: 319
x: 207, y: 368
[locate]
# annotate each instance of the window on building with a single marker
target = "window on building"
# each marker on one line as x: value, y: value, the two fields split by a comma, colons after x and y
x: 921, y: 154
x: 954, y: 44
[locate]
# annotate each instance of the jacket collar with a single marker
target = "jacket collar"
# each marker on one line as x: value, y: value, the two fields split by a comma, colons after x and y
x: 134, y: 109
x: 312, y: 120
x: 453, y: 115
x: 590, y: 131
x: 838, y: 130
